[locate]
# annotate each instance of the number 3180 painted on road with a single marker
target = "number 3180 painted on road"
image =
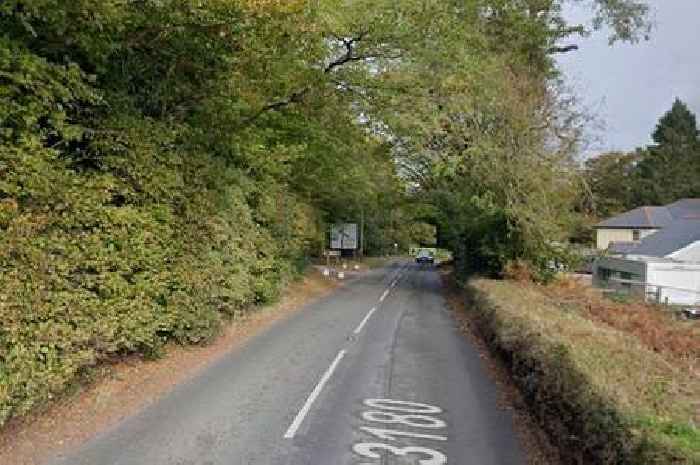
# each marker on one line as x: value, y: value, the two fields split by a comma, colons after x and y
x: 400, y: 413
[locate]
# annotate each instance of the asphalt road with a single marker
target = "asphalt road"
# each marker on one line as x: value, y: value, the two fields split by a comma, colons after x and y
x: 337, y: 383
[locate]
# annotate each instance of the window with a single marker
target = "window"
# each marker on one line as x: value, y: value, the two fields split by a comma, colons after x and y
x: 636, y: 235
x: 630, y: 280
x: 626, y: 278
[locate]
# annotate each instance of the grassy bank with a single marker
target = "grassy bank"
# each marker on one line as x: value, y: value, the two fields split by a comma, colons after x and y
x: 601, y: 393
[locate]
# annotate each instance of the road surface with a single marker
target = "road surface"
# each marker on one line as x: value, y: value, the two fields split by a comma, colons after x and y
x: 376, y: 373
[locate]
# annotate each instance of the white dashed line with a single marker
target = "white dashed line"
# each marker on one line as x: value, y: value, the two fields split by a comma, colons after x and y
x: 386, y: 293
x: 312, y: 397
x: 299, y: 419
x: 364, y: 322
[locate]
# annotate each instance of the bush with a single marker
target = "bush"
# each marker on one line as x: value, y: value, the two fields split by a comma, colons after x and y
x: 155, y: 245
x: 146, y: 195
x: 601, y: 394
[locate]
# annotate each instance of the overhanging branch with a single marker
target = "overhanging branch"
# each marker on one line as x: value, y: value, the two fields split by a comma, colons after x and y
x: 562, y: 49
x: 349, y: 56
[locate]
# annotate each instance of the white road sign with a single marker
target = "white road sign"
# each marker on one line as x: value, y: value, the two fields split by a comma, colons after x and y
x: 344, y: 236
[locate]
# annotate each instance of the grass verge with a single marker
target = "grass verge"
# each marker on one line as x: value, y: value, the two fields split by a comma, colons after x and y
x: 601, y: 393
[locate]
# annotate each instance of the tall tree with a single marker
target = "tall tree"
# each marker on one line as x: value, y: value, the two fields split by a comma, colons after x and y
x: 609, y: 178
x: 670, y: 168
x: 678, y: 127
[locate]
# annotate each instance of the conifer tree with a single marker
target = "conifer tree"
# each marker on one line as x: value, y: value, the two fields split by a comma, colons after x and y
x: 669, y: 169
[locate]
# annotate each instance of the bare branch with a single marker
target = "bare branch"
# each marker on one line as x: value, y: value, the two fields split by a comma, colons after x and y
x: 349, y: 56
x: 296, y: 97
x: 563, y: 49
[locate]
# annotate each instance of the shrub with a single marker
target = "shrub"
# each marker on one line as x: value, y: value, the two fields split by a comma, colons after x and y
x: 601, y: 394
x: 153, y: 245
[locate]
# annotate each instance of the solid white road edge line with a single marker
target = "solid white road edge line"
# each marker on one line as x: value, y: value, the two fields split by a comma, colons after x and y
x: 364, y: 322
x: 386, y: 293
x: 312, y: 397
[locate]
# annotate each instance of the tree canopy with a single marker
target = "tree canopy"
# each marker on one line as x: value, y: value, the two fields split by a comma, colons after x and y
x: 669, y: 169
x: 165, y: 164
x: 658, y: 174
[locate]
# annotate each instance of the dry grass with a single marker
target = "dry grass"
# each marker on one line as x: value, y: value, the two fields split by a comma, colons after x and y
x: 595, y: 381
x: 659, y: 330
x: 622, y: 364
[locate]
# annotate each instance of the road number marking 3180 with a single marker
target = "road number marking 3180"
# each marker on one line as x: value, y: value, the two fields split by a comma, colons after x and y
x: 394, y: 416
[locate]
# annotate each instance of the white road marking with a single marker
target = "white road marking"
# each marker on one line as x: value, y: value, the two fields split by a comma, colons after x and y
x: 386, y: 293
x: 414, y: 418
x: 364, y: 322
x: 402, y: 406
x: 312, y: 397
x: 390, y: 434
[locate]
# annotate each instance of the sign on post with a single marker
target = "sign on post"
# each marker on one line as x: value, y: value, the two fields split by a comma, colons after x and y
x: 344, y: 236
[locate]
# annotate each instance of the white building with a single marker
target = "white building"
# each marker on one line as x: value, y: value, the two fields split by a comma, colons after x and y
x: 661, y: 280
x: 664, y: 253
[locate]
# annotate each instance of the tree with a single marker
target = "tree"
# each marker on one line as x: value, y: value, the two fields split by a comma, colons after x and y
x: 677, y: 127
x: 670, y: 168
x: 610, y: 180
x: 165, y: 164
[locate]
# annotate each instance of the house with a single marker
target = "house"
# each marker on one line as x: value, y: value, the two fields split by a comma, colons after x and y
x: 654, y: 252
x: 632, y: 226
x: 623, y: 233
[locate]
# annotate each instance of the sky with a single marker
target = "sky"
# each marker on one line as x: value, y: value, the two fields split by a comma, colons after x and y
x: 627, y: 88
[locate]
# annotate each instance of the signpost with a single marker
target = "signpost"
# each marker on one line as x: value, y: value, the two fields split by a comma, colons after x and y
x: 344, y: 236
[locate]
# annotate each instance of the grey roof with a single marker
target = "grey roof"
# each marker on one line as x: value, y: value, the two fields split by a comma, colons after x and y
x: 642, y: 217
x: 677, y: 235
x: 679, y: 223
x: 685, y: 209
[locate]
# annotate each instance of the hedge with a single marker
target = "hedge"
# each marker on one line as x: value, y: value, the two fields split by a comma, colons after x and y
x: 600, y: 394
x: 154, y: 244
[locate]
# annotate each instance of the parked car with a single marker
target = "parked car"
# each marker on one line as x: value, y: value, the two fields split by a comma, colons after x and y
x: 425, y: 256
x: 692, y: 313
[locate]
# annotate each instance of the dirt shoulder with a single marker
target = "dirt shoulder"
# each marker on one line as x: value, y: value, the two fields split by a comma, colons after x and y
x: 121, y: 389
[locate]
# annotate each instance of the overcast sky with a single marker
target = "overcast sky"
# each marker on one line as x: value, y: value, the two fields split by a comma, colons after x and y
x: 629, y: 87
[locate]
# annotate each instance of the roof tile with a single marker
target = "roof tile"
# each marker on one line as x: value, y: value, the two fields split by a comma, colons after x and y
x: 642, y: 217
x: 680, y: 234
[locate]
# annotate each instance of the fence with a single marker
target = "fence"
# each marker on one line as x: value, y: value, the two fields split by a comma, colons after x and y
x: 655, y: 293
